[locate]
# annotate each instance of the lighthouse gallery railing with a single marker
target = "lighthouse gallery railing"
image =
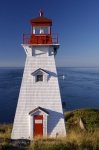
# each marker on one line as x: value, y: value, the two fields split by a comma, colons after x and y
x: 40, y: 39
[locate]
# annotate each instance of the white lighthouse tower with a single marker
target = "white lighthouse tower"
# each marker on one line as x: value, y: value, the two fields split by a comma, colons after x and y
x: 39, y: 109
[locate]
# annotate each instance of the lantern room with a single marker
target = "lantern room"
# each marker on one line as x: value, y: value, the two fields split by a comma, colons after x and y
x: 41, y: 31
x: 41, y: 25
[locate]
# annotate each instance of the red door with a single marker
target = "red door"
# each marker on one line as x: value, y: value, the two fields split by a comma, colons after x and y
x: 38, y: 125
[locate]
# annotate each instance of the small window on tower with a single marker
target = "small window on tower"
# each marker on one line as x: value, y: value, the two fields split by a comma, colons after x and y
x: 39, y: 78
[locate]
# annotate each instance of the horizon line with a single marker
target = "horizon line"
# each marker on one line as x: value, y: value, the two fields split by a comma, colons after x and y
x: 56, y: 66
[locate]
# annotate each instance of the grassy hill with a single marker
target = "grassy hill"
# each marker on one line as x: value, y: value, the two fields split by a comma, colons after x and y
x: 82, y: 134
x: 89, y: 117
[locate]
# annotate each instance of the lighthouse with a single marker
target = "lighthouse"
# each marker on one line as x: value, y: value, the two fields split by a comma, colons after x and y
x: 39, y: 110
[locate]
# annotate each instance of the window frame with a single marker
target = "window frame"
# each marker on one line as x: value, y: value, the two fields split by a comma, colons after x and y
x: 39, y: 78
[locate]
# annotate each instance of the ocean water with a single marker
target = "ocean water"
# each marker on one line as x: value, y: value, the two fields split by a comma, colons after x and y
x: 79, y: 89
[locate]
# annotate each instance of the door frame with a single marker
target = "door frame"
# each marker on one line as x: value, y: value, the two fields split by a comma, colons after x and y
x: 31, y: 123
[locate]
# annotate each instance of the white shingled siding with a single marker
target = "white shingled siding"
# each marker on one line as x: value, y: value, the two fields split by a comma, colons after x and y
x: 45, y: 94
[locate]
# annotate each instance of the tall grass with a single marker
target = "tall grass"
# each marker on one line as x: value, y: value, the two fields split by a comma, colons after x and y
x: 73, y: 141
x: 5, y: 131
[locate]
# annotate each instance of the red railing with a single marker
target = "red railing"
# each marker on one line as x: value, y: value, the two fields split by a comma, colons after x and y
x: 40, y: 39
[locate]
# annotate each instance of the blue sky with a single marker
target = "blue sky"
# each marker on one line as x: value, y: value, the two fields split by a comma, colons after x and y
x: 75, y: 21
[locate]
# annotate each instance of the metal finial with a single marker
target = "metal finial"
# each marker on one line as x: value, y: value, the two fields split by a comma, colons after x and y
x: 41, y: 13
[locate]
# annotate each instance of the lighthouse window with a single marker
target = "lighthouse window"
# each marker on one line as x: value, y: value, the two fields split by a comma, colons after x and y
x: 37, y: 30
x: 44, y: 30
x: 41, y: 30
x: 39, y: 78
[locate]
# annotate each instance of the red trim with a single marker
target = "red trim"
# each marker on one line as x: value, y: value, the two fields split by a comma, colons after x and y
x: 40, y: 39
x: 41, y: 19
x: 41, y: 24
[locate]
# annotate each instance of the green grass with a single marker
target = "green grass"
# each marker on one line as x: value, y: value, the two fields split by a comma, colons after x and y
x: 90, y: 118
x: 76, y: 139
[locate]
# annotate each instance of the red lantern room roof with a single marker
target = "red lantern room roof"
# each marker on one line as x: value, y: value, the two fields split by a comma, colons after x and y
x: 41, y: 20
